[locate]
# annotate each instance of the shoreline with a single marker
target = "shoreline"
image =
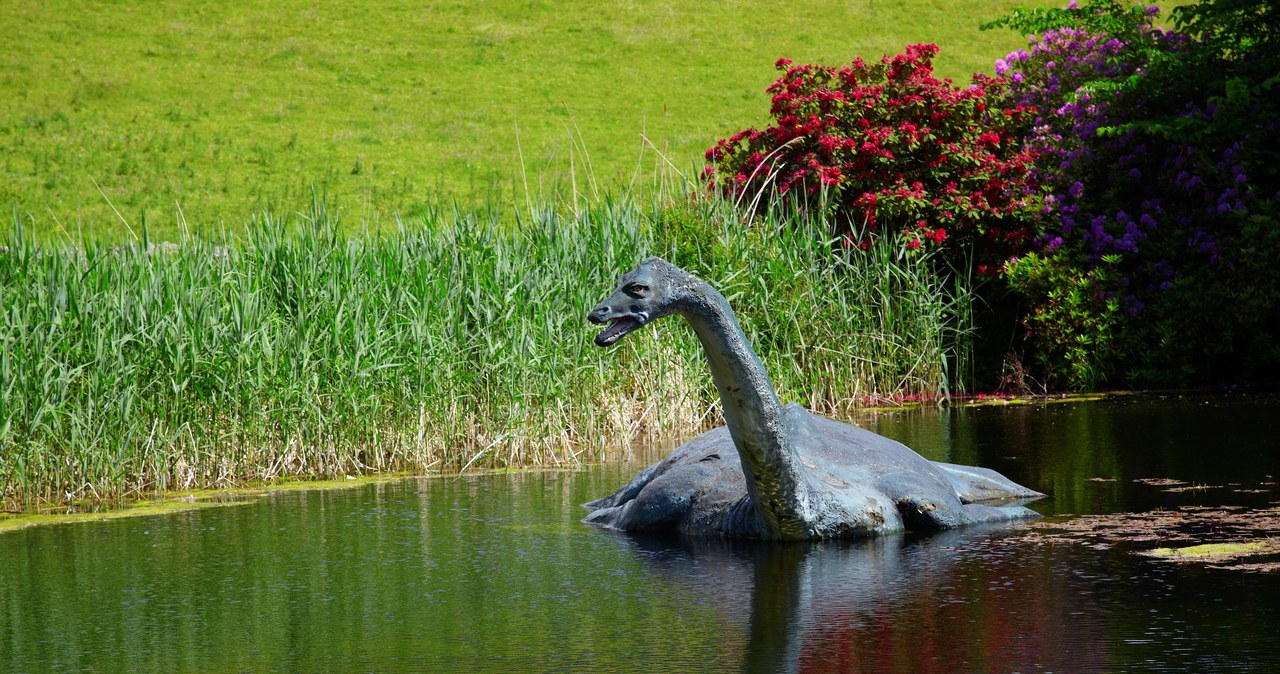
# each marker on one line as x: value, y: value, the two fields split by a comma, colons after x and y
x: 176, y: 501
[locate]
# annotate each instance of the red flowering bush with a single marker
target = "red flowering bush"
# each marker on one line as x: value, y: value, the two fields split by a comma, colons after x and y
x: 893, y: 151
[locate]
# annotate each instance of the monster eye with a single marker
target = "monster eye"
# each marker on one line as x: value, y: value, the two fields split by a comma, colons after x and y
x: 636, y: 289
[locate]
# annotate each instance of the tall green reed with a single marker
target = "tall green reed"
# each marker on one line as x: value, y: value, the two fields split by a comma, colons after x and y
x: 455, y: 342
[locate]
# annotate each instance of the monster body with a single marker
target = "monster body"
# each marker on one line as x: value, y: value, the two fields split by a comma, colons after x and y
x: 775, y: 472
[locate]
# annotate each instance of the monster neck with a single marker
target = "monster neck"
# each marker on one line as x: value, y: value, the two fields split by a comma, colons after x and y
x: 752, y: 413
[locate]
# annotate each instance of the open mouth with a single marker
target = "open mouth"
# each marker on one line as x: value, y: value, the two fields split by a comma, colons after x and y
x: 617, y: 328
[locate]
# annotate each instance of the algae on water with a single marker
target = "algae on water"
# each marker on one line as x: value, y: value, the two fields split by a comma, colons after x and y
x: 1214, y: 552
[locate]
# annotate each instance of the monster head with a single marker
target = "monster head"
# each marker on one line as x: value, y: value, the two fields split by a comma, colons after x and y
x: 655, y: 289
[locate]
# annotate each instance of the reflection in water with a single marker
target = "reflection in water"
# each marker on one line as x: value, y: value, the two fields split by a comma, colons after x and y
x: 497, y: 573
x: 1066, y: 450
x: 914, y: 603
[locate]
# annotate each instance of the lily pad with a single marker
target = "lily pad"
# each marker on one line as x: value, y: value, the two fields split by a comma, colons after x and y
x: 1216, y: 536
x: 1194, y: 487
x: 1160, y: 481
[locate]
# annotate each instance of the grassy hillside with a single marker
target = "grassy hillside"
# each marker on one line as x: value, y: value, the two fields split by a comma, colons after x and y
x: 205, y: 111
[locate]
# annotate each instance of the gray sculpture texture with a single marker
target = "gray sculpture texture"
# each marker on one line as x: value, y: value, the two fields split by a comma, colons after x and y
x: 777, y: 472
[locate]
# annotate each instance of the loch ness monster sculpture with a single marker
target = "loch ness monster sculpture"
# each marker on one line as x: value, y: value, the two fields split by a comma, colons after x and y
x: 778, y: 472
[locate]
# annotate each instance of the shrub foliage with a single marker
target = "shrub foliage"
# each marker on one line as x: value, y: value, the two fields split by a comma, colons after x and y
x: 891, y: 150
x: 1117, y: 177
x: 1157, y: 184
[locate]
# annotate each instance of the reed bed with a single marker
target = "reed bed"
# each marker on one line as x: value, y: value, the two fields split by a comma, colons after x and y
x: 457, y: 342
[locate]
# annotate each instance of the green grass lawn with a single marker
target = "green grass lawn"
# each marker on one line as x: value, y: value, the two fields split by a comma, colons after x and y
x: 207, y: 112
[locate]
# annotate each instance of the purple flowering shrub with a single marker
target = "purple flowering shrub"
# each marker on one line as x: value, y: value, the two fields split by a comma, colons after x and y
x: 1142, y: 226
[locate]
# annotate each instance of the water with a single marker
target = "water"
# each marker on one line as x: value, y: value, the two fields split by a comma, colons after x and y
x: 496, y: 573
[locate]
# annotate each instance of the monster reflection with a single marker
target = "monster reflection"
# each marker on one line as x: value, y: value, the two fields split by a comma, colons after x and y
x: 951, y: 601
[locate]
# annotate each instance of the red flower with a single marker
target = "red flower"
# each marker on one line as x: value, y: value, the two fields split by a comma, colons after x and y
x: 889, y: 141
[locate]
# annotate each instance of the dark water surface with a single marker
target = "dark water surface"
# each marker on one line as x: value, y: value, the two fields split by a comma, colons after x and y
x: 495, y: 573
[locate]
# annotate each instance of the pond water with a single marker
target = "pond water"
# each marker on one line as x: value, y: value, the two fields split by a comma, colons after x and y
x: 495, y: 572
